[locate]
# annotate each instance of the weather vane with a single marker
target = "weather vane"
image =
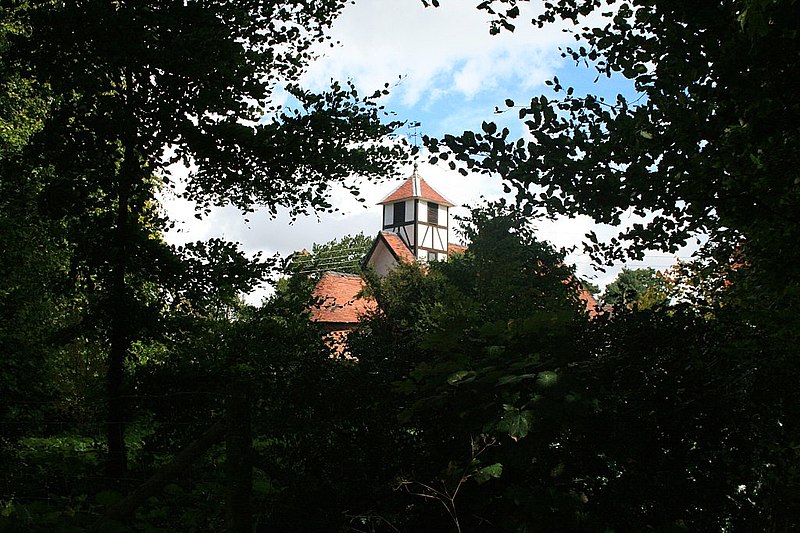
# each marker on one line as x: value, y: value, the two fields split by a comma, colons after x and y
x: 414, y: 124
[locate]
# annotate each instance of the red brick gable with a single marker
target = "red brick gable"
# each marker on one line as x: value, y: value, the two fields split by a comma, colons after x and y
x: 408, y: 189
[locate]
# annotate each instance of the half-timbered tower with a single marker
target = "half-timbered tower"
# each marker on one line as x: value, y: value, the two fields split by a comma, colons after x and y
x: 420, y: 216
x: 415, y: 227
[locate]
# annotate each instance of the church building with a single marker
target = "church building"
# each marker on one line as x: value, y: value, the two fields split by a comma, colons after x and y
x: 415, y: 227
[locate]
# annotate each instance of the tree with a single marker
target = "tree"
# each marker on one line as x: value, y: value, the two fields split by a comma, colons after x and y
x: 642, y: 288
x: 591, y: 287
x: 709, y: 149
x: 710, y: 146
x: 344, y: 254
x: 671, y: 437
x: 33, y: 259
x: 520, y: 413
x: 479, y: 350
x: 126, y: 81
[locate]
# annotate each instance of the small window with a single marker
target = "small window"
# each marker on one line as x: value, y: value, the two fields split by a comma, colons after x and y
x: 432, y: 256
x: 399, y: 213
x: 433, y: 213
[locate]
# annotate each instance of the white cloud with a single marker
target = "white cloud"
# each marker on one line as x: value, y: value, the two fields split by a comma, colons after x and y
x: 260, y: 232
x: 438, y: 51
x: 446, y: 56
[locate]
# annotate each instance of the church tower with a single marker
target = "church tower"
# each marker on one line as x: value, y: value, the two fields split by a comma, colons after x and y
x: 420, y: 216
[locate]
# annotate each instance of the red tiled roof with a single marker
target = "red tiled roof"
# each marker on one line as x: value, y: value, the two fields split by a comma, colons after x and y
x: 338, y: 299
x: 397, y: 246
x: 589, y: 301
x: 336, y: 340
x: 591, y: 307
x: 455, y: 249
x: 420, y: 189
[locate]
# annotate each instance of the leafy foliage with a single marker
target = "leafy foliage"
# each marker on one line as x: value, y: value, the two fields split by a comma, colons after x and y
x: 709, y: 147
x: 344, y: 254
x: 642, y: 287
x: 482, y: 396
x: 478, y: 348
x: 132, y: 87
x: 98, y: 100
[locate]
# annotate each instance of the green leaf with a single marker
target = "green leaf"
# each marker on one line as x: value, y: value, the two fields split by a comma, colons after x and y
x: 547, y: 379
x: 509, y: 380
x: 515, y: 423
x: 108, y: 498
x: 462, y: 376
x: 488, y: 472
x: 489, y: 127
x: 495, y: 351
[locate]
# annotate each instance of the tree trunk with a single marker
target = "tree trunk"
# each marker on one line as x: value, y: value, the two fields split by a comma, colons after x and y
x: 180, y: 463
x: 117, y: 461
x: 238, y: 460
x: 118, y: 304
x: 118, y: 307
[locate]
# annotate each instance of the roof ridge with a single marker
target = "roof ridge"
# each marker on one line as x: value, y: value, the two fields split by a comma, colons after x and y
x: 394, y: 191
x: 415, y: 186
x: 342, y: 274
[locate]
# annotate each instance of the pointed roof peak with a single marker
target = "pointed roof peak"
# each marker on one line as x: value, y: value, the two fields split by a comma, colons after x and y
x: 416, y: 187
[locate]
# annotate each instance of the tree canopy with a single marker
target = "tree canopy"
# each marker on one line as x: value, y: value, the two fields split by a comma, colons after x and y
x: 709, y: 146
x: 344, y: 254
x: 105, y: 96
x: 706, y: 150
x: 140, y: 393
x: 642, y: 287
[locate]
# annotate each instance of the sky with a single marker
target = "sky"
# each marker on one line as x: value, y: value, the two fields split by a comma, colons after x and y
x: 449, y: 74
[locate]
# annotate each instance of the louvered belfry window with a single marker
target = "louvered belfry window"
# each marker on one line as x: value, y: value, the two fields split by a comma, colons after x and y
x: 433, y: 213
x: 399, y: 213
